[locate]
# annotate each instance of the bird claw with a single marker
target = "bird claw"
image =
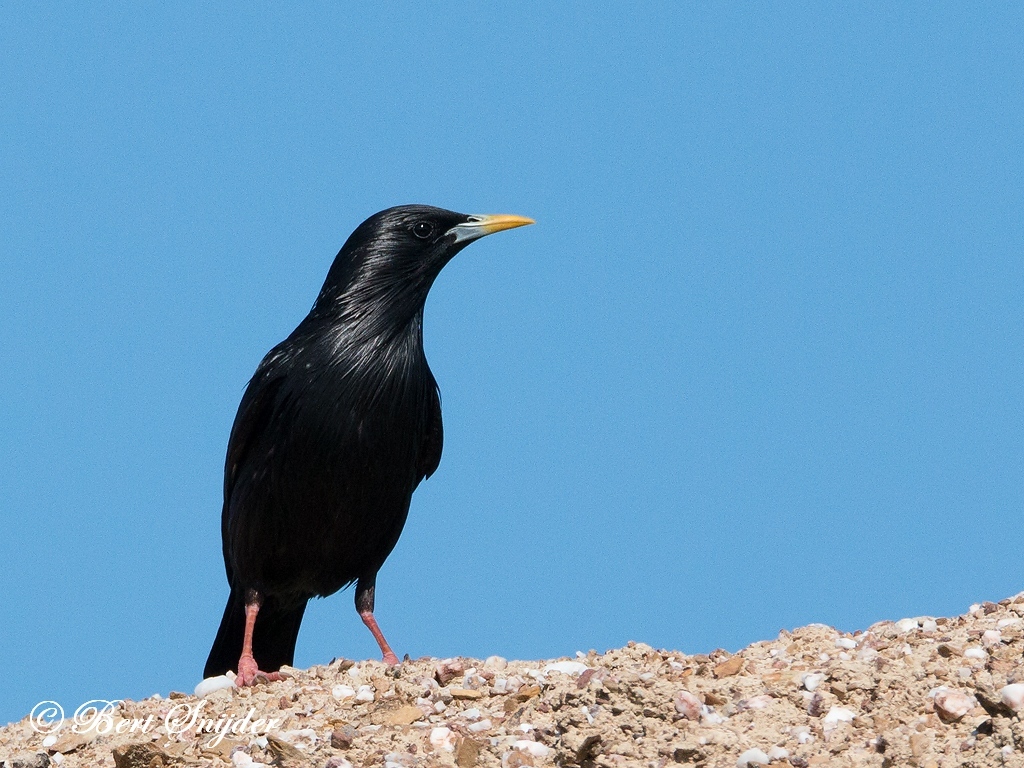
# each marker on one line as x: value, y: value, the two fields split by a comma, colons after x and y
x: 390, y: 659
x: 250, y: 674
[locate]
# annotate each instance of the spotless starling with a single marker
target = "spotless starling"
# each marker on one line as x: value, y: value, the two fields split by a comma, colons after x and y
x: 337, y: 427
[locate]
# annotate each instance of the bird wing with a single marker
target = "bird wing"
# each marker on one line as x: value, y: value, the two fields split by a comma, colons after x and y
x: 254, y: 415
x: 433, y: 442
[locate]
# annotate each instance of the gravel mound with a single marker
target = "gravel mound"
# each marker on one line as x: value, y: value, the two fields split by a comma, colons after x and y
x: 927, y: 692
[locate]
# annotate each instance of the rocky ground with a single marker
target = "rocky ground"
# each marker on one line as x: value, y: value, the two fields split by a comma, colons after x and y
x: 916, y: 692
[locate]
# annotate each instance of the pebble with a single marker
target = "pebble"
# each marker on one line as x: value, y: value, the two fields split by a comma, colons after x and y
x: 534, y: 748
x: 812, y: 680
x: 211, y: 684
x: 480, y: 725
x: 365, y: 693
x: 342, y: 692
x: 838, y: 715
x: 906, y: 625
x: 846, y: 642
x: 975, y: 653
x: 952, y: 705
x: 688, y: 705
x: 752, y: 757
x: 778, y: 753
x: 471, y: 714
x: 991, y: 637
x: 443, y: 738
x: 1013, y: 696
x: 930, y: 625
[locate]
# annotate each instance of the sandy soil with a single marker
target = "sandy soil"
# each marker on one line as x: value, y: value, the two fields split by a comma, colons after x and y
x: 917, y: 692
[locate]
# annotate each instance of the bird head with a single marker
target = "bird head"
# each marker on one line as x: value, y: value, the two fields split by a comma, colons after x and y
x: 389, y: 262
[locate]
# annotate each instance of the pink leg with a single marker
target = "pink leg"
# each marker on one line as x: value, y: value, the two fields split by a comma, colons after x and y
x: 248, y: 672
x: 364, y: 604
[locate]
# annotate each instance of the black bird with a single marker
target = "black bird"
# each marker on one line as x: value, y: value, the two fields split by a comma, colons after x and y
x: 337, y: 427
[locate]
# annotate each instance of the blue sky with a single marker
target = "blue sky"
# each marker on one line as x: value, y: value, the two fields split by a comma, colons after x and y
x: 758, y: 364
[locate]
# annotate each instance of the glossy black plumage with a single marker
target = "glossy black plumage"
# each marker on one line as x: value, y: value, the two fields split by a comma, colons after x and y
x: 339, y: 424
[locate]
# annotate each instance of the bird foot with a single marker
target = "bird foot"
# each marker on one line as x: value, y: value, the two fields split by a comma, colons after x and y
x: 250, y: 674
x: 390, y: 659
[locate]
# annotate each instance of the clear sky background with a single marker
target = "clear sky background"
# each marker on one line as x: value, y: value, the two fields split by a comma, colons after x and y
x: 758, y: 364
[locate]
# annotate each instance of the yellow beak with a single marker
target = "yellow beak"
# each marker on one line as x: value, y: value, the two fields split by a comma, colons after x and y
x: 486, y: 224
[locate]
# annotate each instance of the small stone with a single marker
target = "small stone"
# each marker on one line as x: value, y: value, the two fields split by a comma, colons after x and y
x: 448, y: 670
x: 38, y: 760
x: 847, y: 643
x: 975, y: 653
x: 752, y: 757
x: 338, y: 762
x: 479, y: 725
x: 443, y: 738
x: 495, y: 663
x: 906, y: 625
x: 534, y: 748
x: 991, y: 637
x: 140, y: 756
x: 812, y: 680
x: 527, y: 692
x: 342, y: 738
x: 952, y: 705
x: 778, y: 753
x: 838, y: 715
x: 211, y: 684
x: 406, y: 715
x: 365, y: 693
x: 466, y: 752
x: 1013, y: 696
x: 343, y: 692
x: 729, y: 667
x: 465, y: 693
x: 688, y: 705
x: 566, y: 667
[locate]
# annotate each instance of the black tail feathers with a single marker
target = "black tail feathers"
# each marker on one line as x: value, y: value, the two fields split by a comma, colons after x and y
x: 273, y: 641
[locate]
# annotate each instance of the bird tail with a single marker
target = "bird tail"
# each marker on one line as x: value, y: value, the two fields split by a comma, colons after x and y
x: 273, y: 640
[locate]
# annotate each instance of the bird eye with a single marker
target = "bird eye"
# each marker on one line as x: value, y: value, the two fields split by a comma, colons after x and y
x: 422, y: 230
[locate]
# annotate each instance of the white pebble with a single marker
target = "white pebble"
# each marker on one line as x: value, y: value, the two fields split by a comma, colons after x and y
x: 57, y: 758
x: 342, y: 692
x: 930, y: 625
x: 566, y: 667
x: 778, y: 753
x: 991, y: 637
x: 688, y: 705
x: 471, y: 714
x: 534, y: 748
x: 867, y: 654
x: 1013, y: 696
x: 975, y: 653
x: 365, y: 693
x: 812, y: 680
x: 527, y: 727
x: 846, y: 642
x: 1004, y: 623
x: 353, y: 672
x: 906, y: 625
x: 240, y: 758
x: 803, y: 734
x: 300, y: 738
x: 751, y: 757
x: 443, y: 738
x: 480, y: 725
x: 440, y: 706
x: 211, y: 684
x: 964, y: 673
x: 953, y: 704
x: 500, y: 685
x: 50, y: 740
x: 839, y: 715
